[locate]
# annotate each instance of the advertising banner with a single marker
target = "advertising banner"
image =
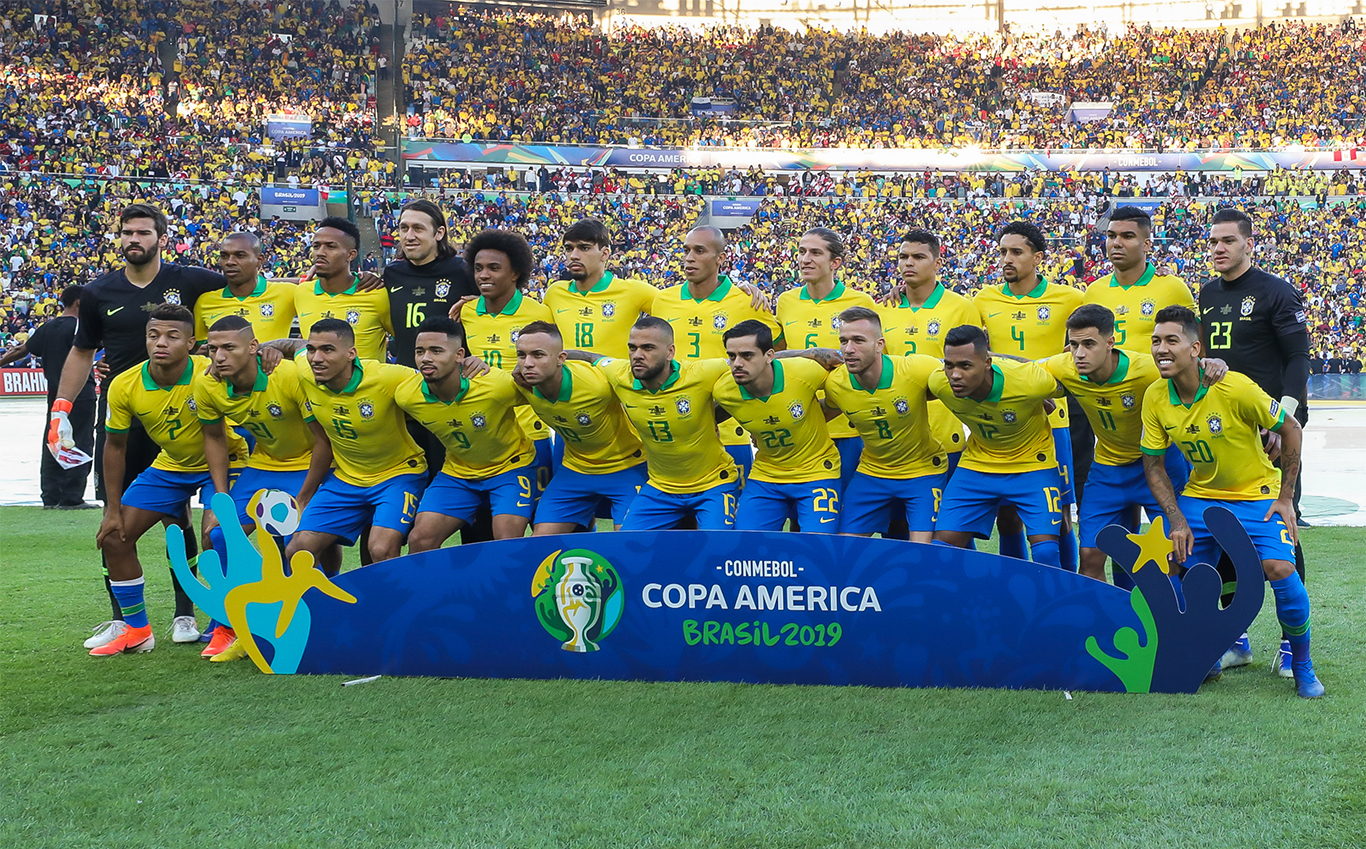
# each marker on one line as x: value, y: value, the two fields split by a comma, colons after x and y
x: 22, y: 382
x: 729, y: 207
x: 289, y: 127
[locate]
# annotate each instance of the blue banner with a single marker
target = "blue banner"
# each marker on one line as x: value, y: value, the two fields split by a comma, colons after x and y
x: 732, y: 207
x: 288, y: 127
x: 289, y: 197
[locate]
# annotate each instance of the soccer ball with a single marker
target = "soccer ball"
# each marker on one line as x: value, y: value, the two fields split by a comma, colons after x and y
x: 274, y: 511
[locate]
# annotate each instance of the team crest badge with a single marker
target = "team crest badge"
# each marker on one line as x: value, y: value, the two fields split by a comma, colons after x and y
x: 267, y: 310
x: 443, y: 288
x: 479, y: 422
x: 1128, y: 401
x: 189, y: 402
x: 1148, y: 308
x: 684, y: 406
x: 1008, y: 417
x: 353, y: 316
x: 1044, y: 313
x: 902, y: 406
x: 172, y: 296
x: 835, y: 322
x: 583, y: 419
x: 718, y: 321
x: 515, y: 335
x: 609, y: 309
x: 275, y: 412
x: 1216, y: 424
x: 1249, y: 303
x: 933, y: 327
x: 367, y: 410
x: 797, y: 410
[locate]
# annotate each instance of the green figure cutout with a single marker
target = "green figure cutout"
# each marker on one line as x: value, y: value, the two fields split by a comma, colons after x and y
x: 1135, y: 668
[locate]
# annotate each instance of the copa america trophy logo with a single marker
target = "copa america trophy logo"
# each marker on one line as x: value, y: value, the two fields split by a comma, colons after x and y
x: 578, y: 598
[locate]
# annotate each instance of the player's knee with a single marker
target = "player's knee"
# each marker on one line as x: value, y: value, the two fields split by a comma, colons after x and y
x: 419, y: 540
x: 1275, y: 570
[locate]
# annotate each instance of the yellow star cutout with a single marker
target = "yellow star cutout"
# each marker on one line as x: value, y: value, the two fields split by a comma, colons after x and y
x: 1153, y: 547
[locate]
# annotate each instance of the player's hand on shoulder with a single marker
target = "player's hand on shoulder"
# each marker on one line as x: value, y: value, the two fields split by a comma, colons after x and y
x: 459, y: 305
x: 893, y: 295
x: 270, y: 358
x: 757, y: 298
x: 1213, y: 370
x: 473, y: 367
x: 368, y: 281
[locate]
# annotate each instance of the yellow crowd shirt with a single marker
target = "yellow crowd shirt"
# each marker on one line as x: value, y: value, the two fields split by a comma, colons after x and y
x: 599, y: 320
x: 169, y: 415
x: 1115, y: 407
x: 479, y: 428
x: 493, y: 338
x: 810, y: 323
x: 1033, y: 326
x: 366, y: 312
x: 892, y: 418
x: 1008, y: 431
x: 274, y: 410
x: 1135, y: 307
x: 598, y: 438
x: 792, y: 442
x: 269, y: 308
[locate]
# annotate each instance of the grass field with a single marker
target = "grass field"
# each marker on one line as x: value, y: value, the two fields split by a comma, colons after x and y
x: 166, y: 749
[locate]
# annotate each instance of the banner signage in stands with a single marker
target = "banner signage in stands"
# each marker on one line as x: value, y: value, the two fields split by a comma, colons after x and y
x: 289, y: 127
x: 15, y: 382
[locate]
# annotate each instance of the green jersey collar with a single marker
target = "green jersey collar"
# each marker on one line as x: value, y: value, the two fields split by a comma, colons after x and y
x: 1176, y: 396
x: 777, y: 384
x: 566, y: 386
x: 835, y: 293
x: 260, y: 289
x: 722, y: 290
x: 669, y: 381
x: 184, y: 380
x: 1121, y: 370
x: 882, y: 383
x: 1036, y: 292
x: 357, y: 375
x: 930, y: 303
x: 998, y: 385
x: 599, y: 286
x: 319, y: 290
x: 481, y: 307
x: 464, y: 388
x: 260, y: 384
x: 1148, y: 274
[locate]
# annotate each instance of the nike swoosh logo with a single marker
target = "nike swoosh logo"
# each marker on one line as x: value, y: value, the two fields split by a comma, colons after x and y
x: 1209, y: 310
x: 111, y: 312
x: 1057, y: 521
x: 395, y: 288
x: 520, y: 504
x: 831, y: 519
x: 1169, y: 427
x: 992, y: 314
x: 148, y: 413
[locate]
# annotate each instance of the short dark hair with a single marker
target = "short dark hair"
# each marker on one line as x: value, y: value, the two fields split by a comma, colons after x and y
x: 338, y: 223
x: 861, y: 314
x: 253, y: 241
x: 588, y: 230
x: 230, y: 322
x: 444, y: 248
x: 443, y: 324
x: 546, y: 327
x: 833, y: 242
x: 967, y: 334
x: 650, y: 322
x: 763, y: 336
x: 144, y: 210
x: 1184, y: 316
x: 1237, y: 216
x: 72, y: 294
x: 341, y: 329
x: 1136, y: 214
x: 1092, y: 315
x: 508, y: 242
x: 172, y: 312
x: 1029, y: 231
x: 918, y: 236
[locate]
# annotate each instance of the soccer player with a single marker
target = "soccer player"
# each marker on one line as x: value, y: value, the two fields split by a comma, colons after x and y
x: 594, y: 308
x: 809, y: 315
x: 502, y: 262
x: 670, y: 404
x: 919, y: 319
x: 1032, y: 314
x: 1010, y: 456
x: 269, y: 307
x: 603, y: 457
x: 489, y: 459
x: 1256, y: 322
x: 796, y: 465
x: 380, y: 472
x: 333, y: 291
x: 1134, y: 291
x: 291, y: 452
x: 702, y: 309
x: 1219, y: 430
x: 160, y: 395
x: 430, y: 279
x: 114, y: 313
x: 903, y: 467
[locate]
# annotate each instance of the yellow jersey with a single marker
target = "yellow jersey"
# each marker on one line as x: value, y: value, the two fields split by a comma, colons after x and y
x: 699, y: 325
x: 479, y: 428
x: 492, y: 337
x: 892, y: 418
x: 367, y: 429
x: 598, y: 438
x: 810, y: 323
x: 677, y: 424
x: 269, y: 308
x: 1218, y: 433
x: 599, y: 320
x: 274, y: 410
x: 1135, y: 307
x: 168, y: 414
x: 1115, y: 407
x: 1008, y: 431
x: 792, y: 443
x: 1033, y: 326
x: 366, y: 312
x: 921, y: 330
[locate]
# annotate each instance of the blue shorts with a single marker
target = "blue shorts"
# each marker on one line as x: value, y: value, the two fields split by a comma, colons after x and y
x: 252, y: 481
x: 160, y: 491
x: 953, y: 458
x: 1272, y: 538
x: 851, y: 450
x: 1062, y: 446
x: 545, y: 466
x: 604, y: 510
x: 869, y: 502
x: 743, y: 455
x: 1112, y: 491
x: 655, y: 510
x: 572, y: 497
x: 972, y: 499
x: 344, y: 510
x: 765, y: 506
x: 511, y: 493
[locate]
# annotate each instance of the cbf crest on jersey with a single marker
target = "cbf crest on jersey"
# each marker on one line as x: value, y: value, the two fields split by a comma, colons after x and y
x: 367, y: 410
x: 267, y: 310
x: 684, y: 406
x: 796, y: 409
x: 1008, y: 416
x: 189, y: 402
x: 479, y: 421
x: 1249, y: 304
x: 933, y: 327
x: 443, y: 288
x: 1044, y: 313
x: 609, y: 309
x: 719, y: 321
x: 1148, y: 308
x: 583, y: 419
x: 1216, y: 425
x: 275, y: 411
x: 353, y: 316
x: 1128, y: 401
x: 902, y: 406
x: 173, y: 296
